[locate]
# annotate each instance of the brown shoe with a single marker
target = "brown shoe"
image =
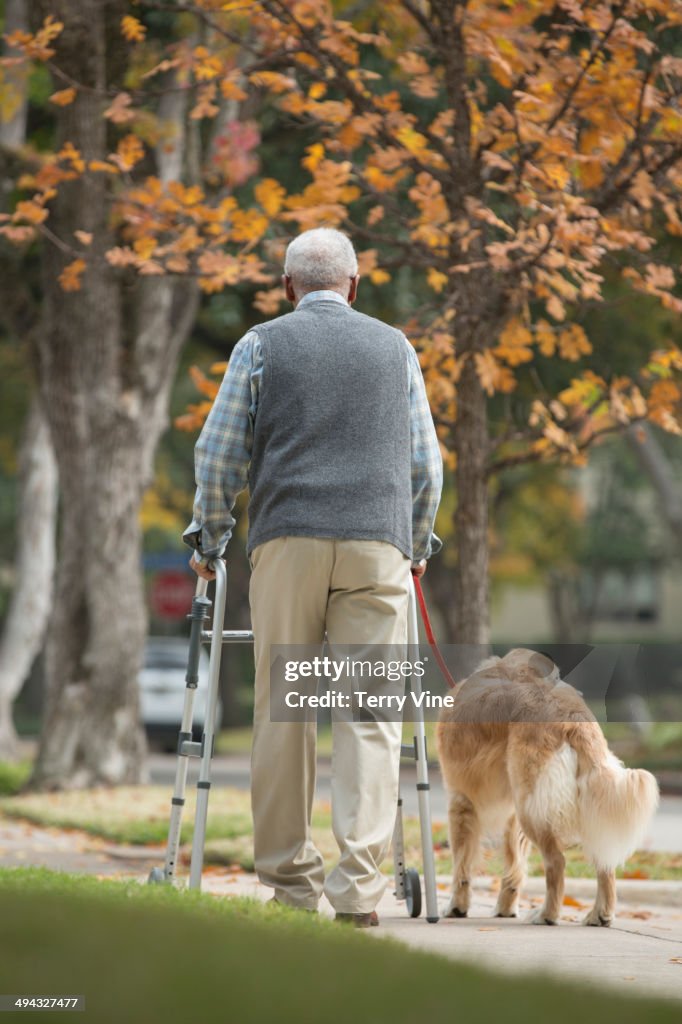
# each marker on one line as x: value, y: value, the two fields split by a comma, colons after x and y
x: 370, y: 920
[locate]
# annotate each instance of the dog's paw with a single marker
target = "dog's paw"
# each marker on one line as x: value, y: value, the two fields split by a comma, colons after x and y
x: 595, y: 920
x: 505, y: 913
x: 538, y: 916
x: 452, y: 911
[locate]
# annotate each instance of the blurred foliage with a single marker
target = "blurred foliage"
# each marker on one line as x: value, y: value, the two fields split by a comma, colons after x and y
x: 114, y: 942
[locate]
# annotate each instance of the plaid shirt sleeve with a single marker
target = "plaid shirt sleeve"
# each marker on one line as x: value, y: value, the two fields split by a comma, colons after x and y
x: 427, y: 465
x: 223, y: 451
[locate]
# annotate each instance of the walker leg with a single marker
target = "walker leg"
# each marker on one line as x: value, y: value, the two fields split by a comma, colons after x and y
x: 198, y: 615
x: 399, y: 852
x: 204, y: 780
x: 423, y: 789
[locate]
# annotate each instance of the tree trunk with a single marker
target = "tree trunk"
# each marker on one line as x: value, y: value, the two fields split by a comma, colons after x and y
x: 470, y: 434
x: 663, y: 476
x: 15, y: 76
x: 29, y: 610
x: 107, y: 357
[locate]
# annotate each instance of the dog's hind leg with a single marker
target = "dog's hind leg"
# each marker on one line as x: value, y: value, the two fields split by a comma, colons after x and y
x: 465, y: 836
x: 516, y: 847
x: 602, y: 912
x: 555, y: 864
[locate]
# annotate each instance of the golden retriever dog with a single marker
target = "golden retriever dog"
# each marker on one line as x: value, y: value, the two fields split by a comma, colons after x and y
x: 522, y: 754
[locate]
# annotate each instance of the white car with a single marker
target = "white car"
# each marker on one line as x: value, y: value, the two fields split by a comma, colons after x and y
x: 162, y: 690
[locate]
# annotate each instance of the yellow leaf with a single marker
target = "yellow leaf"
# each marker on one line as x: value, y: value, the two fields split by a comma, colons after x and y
x: 270, y: 194
x: 436, y: 279
x: 84, y: 237
x: 63, y: 97
x: 413, y: 141
x: 248, y: 225
x: 30, y: 211
x: 545, y: 337
x: 317, y: 90
x: 132, y: 29
x: 574, y: 343
x: 515, y: 344
x: 315, y: 154
x: 207, y: 66
x: 70, y: 277
x: 231, y: 91
x: 379, y: 276
x: 145, y: 246
x: 129, y: 152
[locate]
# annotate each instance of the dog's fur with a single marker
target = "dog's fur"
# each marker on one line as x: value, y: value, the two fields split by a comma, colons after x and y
x: 521, y: 752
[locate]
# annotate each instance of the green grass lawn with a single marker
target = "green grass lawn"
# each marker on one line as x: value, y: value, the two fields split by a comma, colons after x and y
x: 13, y: 776
x: 139, y: 815
x: 152, y: 953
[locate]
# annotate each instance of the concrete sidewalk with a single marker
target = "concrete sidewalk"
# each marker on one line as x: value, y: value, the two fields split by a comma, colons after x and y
x: 643, y: 948
x: 640, y: 949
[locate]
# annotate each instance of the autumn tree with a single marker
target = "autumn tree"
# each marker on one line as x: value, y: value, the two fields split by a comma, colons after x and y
x: 106, y: 356
x: 25, y: 624
x: 509, y: 155
x: 515, y: 155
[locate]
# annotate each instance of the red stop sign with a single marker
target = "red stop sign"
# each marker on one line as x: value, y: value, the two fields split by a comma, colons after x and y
x: 171, y: 594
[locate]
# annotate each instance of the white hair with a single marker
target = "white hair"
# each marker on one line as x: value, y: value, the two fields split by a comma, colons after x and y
x: 320, y: 258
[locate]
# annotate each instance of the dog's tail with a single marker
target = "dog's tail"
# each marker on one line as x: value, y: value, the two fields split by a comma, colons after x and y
x: 616, y: 806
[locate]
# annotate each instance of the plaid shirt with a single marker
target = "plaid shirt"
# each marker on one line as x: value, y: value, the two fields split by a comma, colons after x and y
x: 223, y: 451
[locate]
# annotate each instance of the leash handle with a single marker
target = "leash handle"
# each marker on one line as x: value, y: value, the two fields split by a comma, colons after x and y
x: 430, y: 635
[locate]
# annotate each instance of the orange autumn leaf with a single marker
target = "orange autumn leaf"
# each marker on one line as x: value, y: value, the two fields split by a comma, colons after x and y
x: 574, y: 343
x: 206, y: 387
x: 129, y: 152
x: 103, y: 166
x: 31, y: 211
x: 63, y: 97
x: 268, y: 302
x: 118, y: 111
x: 70, y: 277
x: 570, y: 901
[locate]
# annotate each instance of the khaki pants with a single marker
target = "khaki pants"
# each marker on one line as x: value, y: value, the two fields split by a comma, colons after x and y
x: 356, y: 590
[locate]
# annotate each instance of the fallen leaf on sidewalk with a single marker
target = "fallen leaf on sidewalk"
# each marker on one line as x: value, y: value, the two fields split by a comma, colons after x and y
x: 675, y: 960
x: 487, y: 929
x: 571, y: 901
x: 638, y: 915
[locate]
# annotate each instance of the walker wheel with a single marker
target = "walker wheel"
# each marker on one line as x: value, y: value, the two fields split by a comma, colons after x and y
x: 413, y: 893
x: 156, y: 875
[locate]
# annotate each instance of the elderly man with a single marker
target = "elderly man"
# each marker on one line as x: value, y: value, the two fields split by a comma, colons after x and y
x: 323, y: 413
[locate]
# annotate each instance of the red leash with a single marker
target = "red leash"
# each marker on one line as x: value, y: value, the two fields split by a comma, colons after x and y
x: 429, y: 633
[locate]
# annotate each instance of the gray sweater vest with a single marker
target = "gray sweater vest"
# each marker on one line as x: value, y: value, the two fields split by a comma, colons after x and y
x: 331, y: 448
